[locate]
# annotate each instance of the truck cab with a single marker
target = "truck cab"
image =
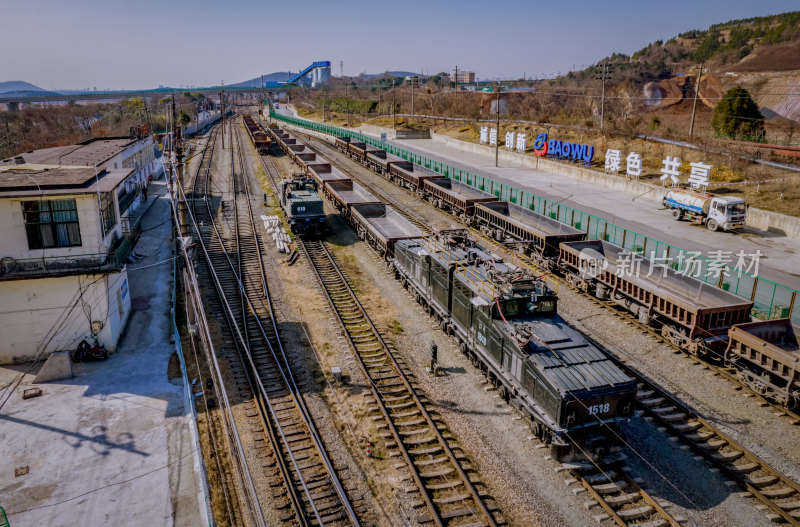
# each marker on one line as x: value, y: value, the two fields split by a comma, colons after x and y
x: 728, y: 212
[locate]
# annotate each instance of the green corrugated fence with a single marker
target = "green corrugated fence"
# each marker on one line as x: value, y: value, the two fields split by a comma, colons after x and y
x: 771, y: 300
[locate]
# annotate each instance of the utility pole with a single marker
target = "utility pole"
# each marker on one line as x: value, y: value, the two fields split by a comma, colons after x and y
x: 178, y: 145
x: 168, y: 126
x: 497, y: 136
x: 413, y: 82
x: 603, y: 99
x: 347, y: 104
x: 696, y: 95
x: 147, y: 116
x: 222, y: 117
x: 455, y: 80
x: 394, y: 108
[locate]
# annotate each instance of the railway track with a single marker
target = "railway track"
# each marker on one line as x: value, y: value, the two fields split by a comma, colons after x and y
x: 328, y: 152
x: 622, y: 499
x: 233, y: 479
x: 301, y: 475
x: 614, y: 490
x: 435, y: 464
x: 411, y: 432
x: 778, y: 496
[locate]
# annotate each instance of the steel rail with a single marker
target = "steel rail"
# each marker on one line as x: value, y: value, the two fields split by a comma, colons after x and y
x: 437, y: 517
x: 229, y: 424
x: 289, y: 377
x: 740, y: 478
x: 235, y: 327
x: 728, y: 468
x: 308, y: 247
x: 313, y: 430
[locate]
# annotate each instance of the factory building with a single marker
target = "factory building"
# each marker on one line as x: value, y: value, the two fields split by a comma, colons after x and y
x: 319, y: 76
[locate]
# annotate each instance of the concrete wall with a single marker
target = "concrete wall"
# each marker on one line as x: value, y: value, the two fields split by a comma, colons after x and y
x: 392, y: 133
x: 14, y: 239
x: 38, y: 317
x: 758, y: 218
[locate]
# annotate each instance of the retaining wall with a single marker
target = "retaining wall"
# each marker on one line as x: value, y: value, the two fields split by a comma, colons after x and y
x: 392, y: 133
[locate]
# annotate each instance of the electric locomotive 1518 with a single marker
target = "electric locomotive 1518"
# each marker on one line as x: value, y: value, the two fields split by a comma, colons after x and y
x: 507, y: 323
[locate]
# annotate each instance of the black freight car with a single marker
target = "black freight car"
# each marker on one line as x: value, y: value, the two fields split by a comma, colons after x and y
x: 692, y: 314
x: 345, y: 194
x: 766, y: 357
x: 341, y: 143
x: 381, y: 226
x: 452, y: 195
x: 541, y: 234
x: 407, y: 176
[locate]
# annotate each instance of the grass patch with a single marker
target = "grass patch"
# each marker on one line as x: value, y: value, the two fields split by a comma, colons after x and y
x: 395, y: 327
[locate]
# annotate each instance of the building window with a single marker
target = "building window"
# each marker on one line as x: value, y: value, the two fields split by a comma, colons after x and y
x: 51, y: 223
x: 108, y: 211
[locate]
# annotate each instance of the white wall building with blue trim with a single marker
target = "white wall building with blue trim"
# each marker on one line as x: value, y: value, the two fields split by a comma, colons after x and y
x: 63, y: 251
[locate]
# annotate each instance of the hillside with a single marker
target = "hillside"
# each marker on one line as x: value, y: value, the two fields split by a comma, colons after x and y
x: 762, y: 54
x: 21, y: 88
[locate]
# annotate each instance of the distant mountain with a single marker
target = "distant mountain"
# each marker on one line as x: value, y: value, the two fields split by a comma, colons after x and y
x: 393, y: 74
x: 22, y: 88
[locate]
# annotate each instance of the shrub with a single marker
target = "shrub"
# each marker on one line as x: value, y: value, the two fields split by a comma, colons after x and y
x: 726, y: 175
x: 737, y: 115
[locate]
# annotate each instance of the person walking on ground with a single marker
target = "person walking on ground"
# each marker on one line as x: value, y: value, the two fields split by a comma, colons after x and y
x: 144, y: 192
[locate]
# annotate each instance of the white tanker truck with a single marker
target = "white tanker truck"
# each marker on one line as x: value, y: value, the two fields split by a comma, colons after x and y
x: 716, y: 212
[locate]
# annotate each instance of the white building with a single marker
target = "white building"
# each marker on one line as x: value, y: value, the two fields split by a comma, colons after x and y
x: 63, y: 251
x: 110, y: 153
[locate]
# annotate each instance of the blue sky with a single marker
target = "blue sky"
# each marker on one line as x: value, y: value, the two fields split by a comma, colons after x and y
x: 119, y: 44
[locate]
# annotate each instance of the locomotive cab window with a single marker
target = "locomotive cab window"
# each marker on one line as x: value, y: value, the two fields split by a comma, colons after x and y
x: 524, y: 307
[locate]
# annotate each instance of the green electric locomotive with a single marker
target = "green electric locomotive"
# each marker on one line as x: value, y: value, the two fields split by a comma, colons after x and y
x: 507, y: 323
x: 302, y: 205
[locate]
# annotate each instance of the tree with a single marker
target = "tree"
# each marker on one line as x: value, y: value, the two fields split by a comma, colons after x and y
x: 185, y: 118
x: 737, y: 115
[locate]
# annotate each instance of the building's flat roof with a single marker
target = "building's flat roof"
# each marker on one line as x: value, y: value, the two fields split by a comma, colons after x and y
x: 35, y: 180
x: 87, y: 153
